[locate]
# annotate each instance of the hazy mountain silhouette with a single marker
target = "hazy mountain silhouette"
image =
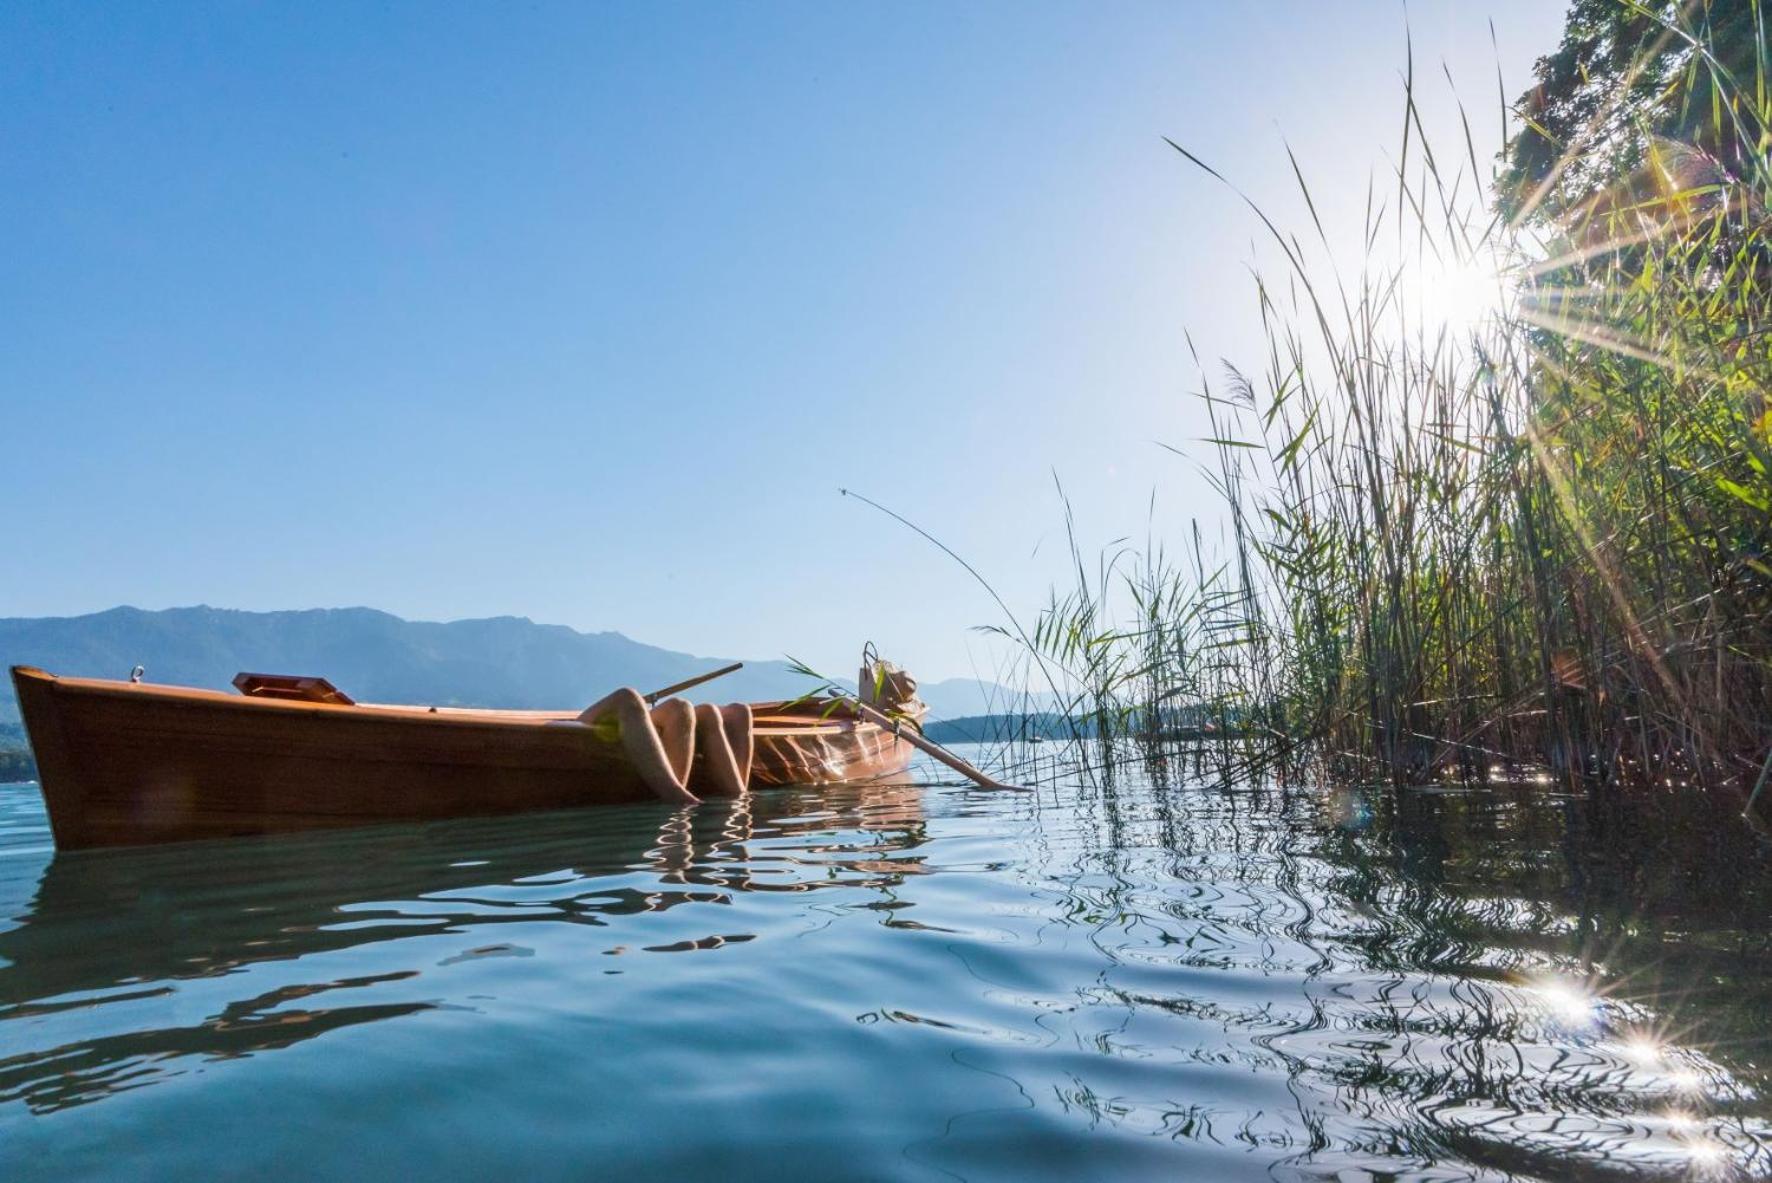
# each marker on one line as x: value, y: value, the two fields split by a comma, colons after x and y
x: 503, y: 661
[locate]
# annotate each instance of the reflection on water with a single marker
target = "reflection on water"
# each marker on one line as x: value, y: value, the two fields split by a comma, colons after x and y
x: 904, y: 983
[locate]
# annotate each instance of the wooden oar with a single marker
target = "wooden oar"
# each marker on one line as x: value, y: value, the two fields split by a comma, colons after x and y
x: 928, y: 746
x: 689, y: 683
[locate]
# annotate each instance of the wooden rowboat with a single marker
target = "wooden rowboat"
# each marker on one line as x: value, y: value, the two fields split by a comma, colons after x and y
x: 127, y: 763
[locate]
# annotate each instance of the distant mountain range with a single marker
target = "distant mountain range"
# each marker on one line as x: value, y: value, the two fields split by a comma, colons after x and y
x: 503, y: 661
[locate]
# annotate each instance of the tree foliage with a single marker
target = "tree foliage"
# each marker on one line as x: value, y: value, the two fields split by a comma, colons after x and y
x: 1641, y: 94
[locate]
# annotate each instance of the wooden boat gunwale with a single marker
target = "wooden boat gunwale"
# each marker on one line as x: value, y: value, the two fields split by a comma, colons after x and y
x: 817, y: 716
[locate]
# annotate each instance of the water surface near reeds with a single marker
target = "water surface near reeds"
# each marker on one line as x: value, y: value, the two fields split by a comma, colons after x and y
x: 904, y: 983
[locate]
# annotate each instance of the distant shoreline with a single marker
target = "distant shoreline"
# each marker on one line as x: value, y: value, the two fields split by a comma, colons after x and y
x: 17, y: 766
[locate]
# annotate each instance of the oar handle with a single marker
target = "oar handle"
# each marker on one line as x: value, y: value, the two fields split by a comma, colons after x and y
x: 689, y: 683
x: 929, y: 747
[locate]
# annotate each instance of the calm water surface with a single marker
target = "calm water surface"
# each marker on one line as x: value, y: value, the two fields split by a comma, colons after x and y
x: 903, y: 983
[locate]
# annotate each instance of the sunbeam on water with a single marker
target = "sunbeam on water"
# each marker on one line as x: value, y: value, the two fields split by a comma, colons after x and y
x: 901, y: 983
x: 1570, y: 1005
x: 1642, y: 1050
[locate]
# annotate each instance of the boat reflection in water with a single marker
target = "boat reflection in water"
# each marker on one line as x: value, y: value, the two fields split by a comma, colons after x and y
x: 127, y: 929
x: 893, y: 982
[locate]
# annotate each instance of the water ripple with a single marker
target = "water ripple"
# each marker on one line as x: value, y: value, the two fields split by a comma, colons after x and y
x: 897, y: 982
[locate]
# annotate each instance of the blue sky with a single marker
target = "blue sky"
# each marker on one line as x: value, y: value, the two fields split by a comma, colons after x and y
x: 584, y: 312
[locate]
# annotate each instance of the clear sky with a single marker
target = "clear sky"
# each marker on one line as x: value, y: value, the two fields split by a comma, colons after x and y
x: 584, y: 312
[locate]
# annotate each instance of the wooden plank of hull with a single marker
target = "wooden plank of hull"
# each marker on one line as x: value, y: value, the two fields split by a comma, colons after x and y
x: 123, y: 764
x: 803, y: 747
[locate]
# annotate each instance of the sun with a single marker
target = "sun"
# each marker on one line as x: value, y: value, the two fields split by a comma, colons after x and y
x: 1458, y: 297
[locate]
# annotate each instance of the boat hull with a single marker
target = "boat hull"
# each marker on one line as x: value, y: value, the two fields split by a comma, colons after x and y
x: 126, y: 764
x: 837, y: 749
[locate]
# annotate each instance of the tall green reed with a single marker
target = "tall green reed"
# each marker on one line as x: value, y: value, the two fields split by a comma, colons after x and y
x: 1542, y: 536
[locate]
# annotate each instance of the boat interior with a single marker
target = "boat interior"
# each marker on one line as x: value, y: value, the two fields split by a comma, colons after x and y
x: 799, y: 716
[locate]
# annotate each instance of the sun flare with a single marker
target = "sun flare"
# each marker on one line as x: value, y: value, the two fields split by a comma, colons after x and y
x: 1458, y: 297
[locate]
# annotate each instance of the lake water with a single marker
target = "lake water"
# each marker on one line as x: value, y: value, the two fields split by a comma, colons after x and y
x: 909, y: 983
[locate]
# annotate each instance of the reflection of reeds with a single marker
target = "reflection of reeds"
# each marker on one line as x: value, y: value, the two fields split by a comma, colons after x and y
x: 1543, y: 536
x: 1440, y: 982
x: 1430, y: 981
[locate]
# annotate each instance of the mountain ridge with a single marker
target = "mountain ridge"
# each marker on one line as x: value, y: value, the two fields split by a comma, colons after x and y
x: 376, y: 656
